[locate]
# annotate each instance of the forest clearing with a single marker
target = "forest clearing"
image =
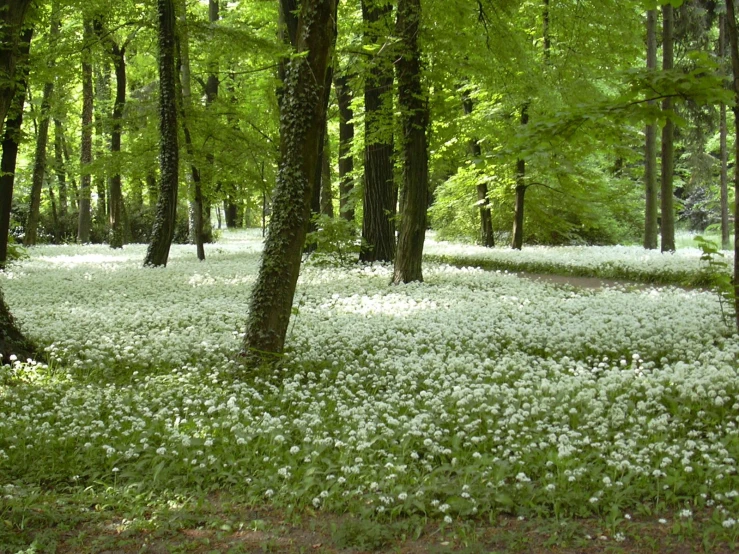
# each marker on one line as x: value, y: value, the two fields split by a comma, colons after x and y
x: 474, y: 396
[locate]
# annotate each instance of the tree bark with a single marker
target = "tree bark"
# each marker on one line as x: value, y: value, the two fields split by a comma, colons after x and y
x: 346, y: 138
x: 414, y: 110
x: 518, y: 217
x: 11, y: 22
x: 39, y: 167
x: 302, y: 122
x: 12, y: 341
x: 734, y: 46
x: 725, y: 241
x: 42, y: 138
x: 184, y: 96
x: 327, y: 195
x: 85, y: 215
x: 166, y: 210
x: 101, y: 101
x: 59, y: 168
x: 487, y: 237
x: 650, y: 147
x: 380, y: 193
x: 668, y: 132
x: 211, y: 95
x: 74, y: 197
x: 10, y: 144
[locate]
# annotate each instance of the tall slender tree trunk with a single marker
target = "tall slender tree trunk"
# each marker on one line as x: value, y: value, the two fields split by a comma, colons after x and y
x: 166, y: 210
x: 10, y: 144
x: 59, y: 169
x: 196, y: 200
x: 413, y: 101
x: 39, y: 167
x: 668, y: 132
x: 487, y: 237
x: 725, y: 241
x: 650, y: 147
x: 518, y: 212
x: 327, y: 194
x: 731, y: 30
x: 211, y: 95
x: 85, y: 215
x: 102, y: 99
x: 380, y: 192
x: 42, y: 138
x: 74, y: 192
x: 346, y: 138
x: 302, y: 122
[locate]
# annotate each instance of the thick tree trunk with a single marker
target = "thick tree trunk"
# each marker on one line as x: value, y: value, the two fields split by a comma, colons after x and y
x: 487, y: 237
x: 166, y: 210
x: 85, y: 215
x: 725, y: 241
x: 346, y: 138
x: 518, y: 217
x: 59, y: 169
x: 327, y: 194
x: 650, y: 147
x: 12, y: 340
x: 11, y: 21
x: 380, y: 192
x: 302, y: 122
x: 196, y: 188
x: 11, y: 140
x: 668, y: 132
x: 415, y: 117
x: 734, y: 46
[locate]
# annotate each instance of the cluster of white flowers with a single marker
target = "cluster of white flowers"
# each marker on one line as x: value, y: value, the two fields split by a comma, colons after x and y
x: 530, y: 391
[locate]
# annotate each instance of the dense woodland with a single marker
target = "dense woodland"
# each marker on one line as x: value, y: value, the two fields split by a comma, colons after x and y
x: 498, y: 122
x: 262, y: 248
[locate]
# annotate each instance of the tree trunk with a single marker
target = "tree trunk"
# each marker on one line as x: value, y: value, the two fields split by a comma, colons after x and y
x: 11, y: 21
x: 102, y: 99
x: 74, y: 197
x: 487, y: 237
x: 11, y: 140
x: 39, y: 168
x: 346, y: 138
x: 59, y: 169
x: 668, y: 131
x: 196, y: 202
x: 211, y: 95
x: 85, y: 215
x: 734, y: 45
x: 302, y: 122
x: 327, y: 195
x: 414, y: 110
x: 12, y: 340
x: 166, y: 210
x: 380, y: 193
x: 650, y: 147
x: 518, y: 219
x: 725, y: 241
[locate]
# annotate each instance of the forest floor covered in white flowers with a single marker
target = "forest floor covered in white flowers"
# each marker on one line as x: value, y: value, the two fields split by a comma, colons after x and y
x: 478, y: 411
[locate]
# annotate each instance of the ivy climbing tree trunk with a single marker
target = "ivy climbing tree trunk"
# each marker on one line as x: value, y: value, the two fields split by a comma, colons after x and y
x: 650, y: 146
x: 724, y: 153
x: 414, y: 111
x: 327, y: 194
x: 85, y: 215
x: 166, y: 209
x: 518, y: 215
x: 10, y: 144
x: 346, y: 138
x: 302, y: 123
x: 731, y: 29
x: 380, y: 193
x: 668, y: 132
x: 487, y: 237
